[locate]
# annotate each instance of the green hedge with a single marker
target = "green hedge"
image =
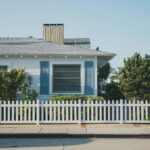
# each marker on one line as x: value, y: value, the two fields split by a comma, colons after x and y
x: 75, y: 98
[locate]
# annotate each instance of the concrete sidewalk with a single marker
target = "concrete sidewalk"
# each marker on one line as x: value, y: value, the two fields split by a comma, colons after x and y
x: 69, y: 130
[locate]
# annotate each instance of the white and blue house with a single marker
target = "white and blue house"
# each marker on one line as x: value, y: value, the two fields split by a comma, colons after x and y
x: 56, y: 68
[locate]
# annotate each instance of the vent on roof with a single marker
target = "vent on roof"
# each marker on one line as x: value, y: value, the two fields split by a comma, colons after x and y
x: 53, y: 33
x: 30, y: 37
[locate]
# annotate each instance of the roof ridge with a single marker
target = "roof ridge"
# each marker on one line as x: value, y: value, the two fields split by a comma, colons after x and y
x: 11, y: 37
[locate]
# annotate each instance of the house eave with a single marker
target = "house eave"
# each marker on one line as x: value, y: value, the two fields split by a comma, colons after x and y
x: 101, y: 61
x: 56, y: 55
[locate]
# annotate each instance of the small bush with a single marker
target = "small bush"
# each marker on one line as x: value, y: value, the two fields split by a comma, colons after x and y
x: 16, y: 85
x: 75, y: 98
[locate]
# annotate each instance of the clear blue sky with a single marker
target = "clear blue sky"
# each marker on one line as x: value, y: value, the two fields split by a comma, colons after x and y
x: 117, y: 26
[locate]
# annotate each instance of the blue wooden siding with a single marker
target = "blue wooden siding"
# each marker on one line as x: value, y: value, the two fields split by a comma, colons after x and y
x: 44, y: 77
x: 89, y: 78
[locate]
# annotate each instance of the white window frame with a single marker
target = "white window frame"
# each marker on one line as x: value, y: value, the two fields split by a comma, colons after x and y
x: 54, y: 79
x: 81, y: 63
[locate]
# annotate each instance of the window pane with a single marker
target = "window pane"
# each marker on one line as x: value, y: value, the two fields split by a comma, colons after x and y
x: 64, y: 68
x: 66, y: 79
x: 67, y: 75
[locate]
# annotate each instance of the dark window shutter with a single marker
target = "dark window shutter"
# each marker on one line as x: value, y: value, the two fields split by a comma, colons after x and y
x: 89, y: 78
x: 44, y: 78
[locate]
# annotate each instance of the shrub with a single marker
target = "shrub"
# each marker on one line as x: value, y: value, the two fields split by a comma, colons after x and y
x: 15, y: 84
x: 75, y: 98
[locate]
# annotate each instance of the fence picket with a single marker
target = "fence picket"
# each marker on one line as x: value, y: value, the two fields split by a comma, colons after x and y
x: 134, y: 111
x: 88, y: 111
x: 129, y: 106
x: 108, y: 107
x: 85, y: 111
x: 79, y: 111
x: 113, y: 112
x: 125, y: 110
x: 25, y: 111
x: 54, y: 111
x: 58, y: 114
x: 50, y: 111
x: 29, y: 111
x: 121, y: 111
x: 138, y: 111
x: 12, y: 113
x: 8, y: 111
x: 4, y: 108
x: 74, y: 112
x: 37, y: 112
x: 17, y: 109
x: 33, y: 112
x: 104, y: 110
x: 146, y: 111
x: 142, y: 109
x: 67, y: 115
x: 21, y: 109
x: 46, y: 111
x: 100, y: 111
x: 0, y: 111
x: 117, y: 112
x: 71, y: 117
x: 63, y: 112
x: 42, y: 111
x: 92, y: 111
x: 96, y: 111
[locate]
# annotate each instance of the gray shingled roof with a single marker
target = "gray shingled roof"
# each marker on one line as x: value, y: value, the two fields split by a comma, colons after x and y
x: 32, y: 46
x: 77, y: 41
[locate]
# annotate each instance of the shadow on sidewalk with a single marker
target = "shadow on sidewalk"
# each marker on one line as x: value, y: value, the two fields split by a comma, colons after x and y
x: 41, y: 142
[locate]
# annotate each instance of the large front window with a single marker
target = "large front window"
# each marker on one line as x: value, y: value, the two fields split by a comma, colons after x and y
x: 66, y: 79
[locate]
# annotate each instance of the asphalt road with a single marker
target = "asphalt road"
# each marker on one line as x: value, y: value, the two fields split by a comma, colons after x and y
x: 74, y: 144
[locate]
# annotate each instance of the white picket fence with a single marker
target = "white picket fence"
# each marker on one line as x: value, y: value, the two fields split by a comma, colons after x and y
x: 39, y: 112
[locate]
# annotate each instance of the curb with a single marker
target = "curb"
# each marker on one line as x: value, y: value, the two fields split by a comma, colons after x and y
x: 29, y: 135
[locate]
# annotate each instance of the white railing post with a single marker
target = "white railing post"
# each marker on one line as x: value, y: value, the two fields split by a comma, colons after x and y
x: 37, y: 111
x: 0, y: 111
x: 121, y: 111
x: 79, y: 111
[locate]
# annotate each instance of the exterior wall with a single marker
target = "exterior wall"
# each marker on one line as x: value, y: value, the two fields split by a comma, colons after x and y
x: 32, y: 67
